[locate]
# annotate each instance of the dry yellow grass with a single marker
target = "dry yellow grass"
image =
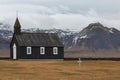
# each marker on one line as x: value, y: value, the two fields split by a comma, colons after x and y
x: 59, y: 70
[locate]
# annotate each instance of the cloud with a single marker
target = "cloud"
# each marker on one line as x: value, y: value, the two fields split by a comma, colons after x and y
x: 63, y: 14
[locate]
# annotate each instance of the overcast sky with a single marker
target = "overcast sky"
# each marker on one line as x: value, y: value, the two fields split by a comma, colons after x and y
x: 61, y: 14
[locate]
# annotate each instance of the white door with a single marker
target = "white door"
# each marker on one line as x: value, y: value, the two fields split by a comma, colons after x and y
x: 14, y: 52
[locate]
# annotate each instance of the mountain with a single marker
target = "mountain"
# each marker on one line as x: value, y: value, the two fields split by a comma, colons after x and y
x: 66, y: 36
x: 5, y: 35
x: 96, y: 36
x: 95, y: 39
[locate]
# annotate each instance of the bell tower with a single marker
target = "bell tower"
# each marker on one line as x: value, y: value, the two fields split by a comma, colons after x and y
x: 17, y: 27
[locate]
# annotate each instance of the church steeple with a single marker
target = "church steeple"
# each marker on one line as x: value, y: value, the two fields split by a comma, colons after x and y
x: 17, y: 27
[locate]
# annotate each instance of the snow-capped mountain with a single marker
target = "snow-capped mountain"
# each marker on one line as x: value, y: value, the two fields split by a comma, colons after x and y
x: 61, y: 33
x: 5, y: 31
x: 95, y: 36
x: 66, y: 36
x: 5, y: 35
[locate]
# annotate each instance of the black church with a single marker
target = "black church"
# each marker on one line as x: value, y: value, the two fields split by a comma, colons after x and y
x: 35, y: 45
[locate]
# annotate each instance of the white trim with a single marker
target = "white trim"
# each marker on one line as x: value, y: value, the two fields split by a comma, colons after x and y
x: 55, y: 50
x: 42, y: 50
x: 14, y: 51
x: 29, y: 51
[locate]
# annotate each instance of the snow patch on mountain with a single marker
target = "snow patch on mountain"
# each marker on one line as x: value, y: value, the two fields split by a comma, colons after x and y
x: 111, y: 31
x: 85, y: 36
x: 75, y: 40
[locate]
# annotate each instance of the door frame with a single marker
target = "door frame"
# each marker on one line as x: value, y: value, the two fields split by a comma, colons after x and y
x: 14, y: 51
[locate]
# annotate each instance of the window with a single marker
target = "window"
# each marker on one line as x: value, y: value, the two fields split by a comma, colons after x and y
x: 42, y: 50
x: 28, y: 50
x: 55, y: 50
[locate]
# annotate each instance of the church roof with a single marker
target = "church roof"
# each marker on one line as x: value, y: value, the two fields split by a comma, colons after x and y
x: 38, y: 39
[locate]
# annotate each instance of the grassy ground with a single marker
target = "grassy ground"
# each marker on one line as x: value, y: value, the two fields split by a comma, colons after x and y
x: 59, y: 70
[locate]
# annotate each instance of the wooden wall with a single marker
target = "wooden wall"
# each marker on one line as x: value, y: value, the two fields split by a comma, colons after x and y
x: 36, y: 53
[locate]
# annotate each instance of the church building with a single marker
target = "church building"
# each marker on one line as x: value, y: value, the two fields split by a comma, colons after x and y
x: 26, y: 45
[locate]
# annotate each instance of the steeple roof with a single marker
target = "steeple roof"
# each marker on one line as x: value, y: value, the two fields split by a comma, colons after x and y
x: 17, y: 23
x: 17, y: 27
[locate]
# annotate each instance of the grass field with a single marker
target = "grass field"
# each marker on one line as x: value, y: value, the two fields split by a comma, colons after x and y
x: 59, y: 70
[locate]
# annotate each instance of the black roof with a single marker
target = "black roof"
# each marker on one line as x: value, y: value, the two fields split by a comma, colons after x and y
x: 38, y: 39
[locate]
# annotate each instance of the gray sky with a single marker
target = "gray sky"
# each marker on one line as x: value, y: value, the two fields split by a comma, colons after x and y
x: 62, y: 14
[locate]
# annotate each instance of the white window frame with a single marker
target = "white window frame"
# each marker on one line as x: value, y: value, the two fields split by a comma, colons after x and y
x: 55, y: 50
x: 29, y: 52
x: 42, y: 50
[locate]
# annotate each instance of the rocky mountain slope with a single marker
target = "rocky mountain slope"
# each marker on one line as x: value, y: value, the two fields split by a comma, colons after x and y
x: 96, y: 36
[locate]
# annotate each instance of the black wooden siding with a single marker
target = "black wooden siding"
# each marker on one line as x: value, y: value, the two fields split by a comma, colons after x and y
x: 11, y: 53
x: 22, y: 54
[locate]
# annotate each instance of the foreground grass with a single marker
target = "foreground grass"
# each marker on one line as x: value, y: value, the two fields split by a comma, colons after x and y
x: 59, y: 70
